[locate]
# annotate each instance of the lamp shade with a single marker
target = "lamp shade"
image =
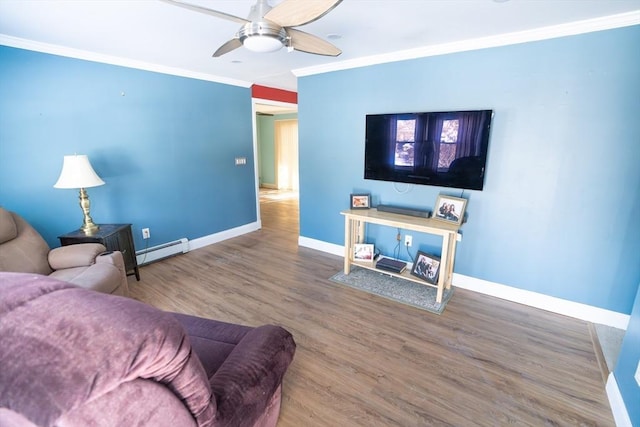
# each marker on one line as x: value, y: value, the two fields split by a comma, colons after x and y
x: 77, y: 173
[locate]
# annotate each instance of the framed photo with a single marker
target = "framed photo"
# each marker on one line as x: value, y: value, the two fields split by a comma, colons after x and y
x: 363, y: 252
x: 360, y: 201
x: 426, y: 267
x: 450, y: 209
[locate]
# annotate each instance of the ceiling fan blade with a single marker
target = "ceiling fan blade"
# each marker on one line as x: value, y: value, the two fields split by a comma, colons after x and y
x: 227, y: 47
x: 309, y: 43
x: 207, y: 11
x: 293, y: 13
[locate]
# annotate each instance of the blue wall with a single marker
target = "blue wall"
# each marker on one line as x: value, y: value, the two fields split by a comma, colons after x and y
x: 164, y: 145
x: 559, y: 212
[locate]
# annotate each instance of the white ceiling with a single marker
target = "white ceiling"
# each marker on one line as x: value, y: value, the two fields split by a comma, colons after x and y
x: 151, y: 34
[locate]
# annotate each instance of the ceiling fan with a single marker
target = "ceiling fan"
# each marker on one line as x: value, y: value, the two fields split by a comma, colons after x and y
x: 268, y: 29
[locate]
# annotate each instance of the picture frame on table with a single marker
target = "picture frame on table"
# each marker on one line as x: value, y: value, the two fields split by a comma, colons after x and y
x: 364, y: 252
x: 449, y: 209
x: 426, y: 267
x: 360, y: 201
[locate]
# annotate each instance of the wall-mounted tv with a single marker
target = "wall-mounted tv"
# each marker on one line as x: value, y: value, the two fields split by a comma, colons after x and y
x: 447, y: 149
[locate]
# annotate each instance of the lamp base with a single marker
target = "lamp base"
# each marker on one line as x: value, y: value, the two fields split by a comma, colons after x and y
x: 88, y: 227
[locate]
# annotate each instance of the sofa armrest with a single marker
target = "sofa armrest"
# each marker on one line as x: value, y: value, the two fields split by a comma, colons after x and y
x: 252, y: 372
x: 81, y: 255
x: 116, y: 259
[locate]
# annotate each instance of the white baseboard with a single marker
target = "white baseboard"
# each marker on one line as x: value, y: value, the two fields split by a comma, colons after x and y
x: 156, y: 253
x: 618, y: 408
x: 224, y: 235
x: 545, y: 302
x: 321, y: 246
x: 533, y: 299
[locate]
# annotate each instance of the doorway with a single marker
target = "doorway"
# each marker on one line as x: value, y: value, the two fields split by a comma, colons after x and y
x: 275, y: 151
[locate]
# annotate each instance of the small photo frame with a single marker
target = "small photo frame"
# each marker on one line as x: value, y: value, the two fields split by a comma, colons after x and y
x: 449, y: 209
x: 426, y: 267
x: 360, y: 201
x: 363, y: 252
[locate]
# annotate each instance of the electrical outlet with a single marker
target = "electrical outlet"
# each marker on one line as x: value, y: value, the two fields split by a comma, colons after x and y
x: 146, y: 233
x: 408, y: 240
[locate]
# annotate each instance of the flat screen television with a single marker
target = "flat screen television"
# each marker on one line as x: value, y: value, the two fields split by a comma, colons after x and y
x: 447, y: 149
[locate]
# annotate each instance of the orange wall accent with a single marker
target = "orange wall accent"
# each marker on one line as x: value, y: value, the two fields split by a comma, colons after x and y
x: 264, y: 92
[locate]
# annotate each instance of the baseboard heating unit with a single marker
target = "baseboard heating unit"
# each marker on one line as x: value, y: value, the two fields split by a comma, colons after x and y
x: 156, y: 253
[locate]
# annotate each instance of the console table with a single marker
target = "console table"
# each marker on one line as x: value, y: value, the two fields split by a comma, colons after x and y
x: 115, y: 237
x: 354, y: 232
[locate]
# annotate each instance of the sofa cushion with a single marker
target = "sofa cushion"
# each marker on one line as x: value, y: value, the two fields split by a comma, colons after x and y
x: 140, y: 402
x: 99, y: 277
x: 8, y: 228
x: 96, y: 342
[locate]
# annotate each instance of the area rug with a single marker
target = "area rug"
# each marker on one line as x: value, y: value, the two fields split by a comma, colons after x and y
x: 393, y: 288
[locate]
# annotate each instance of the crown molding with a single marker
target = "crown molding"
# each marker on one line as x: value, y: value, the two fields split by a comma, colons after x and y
x: 114, y: 60
x: 544, y: 33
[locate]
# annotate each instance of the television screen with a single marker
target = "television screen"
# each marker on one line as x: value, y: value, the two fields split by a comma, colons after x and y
x: 447, y: 149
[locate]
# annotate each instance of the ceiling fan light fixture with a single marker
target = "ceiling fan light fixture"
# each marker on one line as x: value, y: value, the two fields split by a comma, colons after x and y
x: 262, y: 37
x: 268, y: 29
x: 262, y: 44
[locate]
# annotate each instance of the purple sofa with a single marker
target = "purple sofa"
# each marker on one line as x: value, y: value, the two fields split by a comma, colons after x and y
x: 75, y: 357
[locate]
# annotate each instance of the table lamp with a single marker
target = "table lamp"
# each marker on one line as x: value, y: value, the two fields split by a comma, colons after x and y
x: 78, y: 173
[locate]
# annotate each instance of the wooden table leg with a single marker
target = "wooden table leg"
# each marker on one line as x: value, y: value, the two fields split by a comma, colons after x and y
x: 444, y: 268
x: 451, y: 259
x: 348, y: 244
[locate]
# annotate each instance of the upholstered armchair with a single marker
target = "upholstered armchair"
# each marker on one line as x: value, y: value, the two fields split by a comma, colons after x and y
x: 23, y: 250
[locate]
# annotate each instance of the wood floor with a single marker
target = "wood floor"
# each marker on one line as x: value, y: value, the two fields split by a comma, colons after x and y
x: 363, y: 360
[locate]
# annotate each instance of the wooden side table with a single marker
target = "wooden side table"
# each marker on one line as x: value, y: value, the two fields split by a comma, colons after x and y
x: 354, y: 232
x: 115, y: 237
